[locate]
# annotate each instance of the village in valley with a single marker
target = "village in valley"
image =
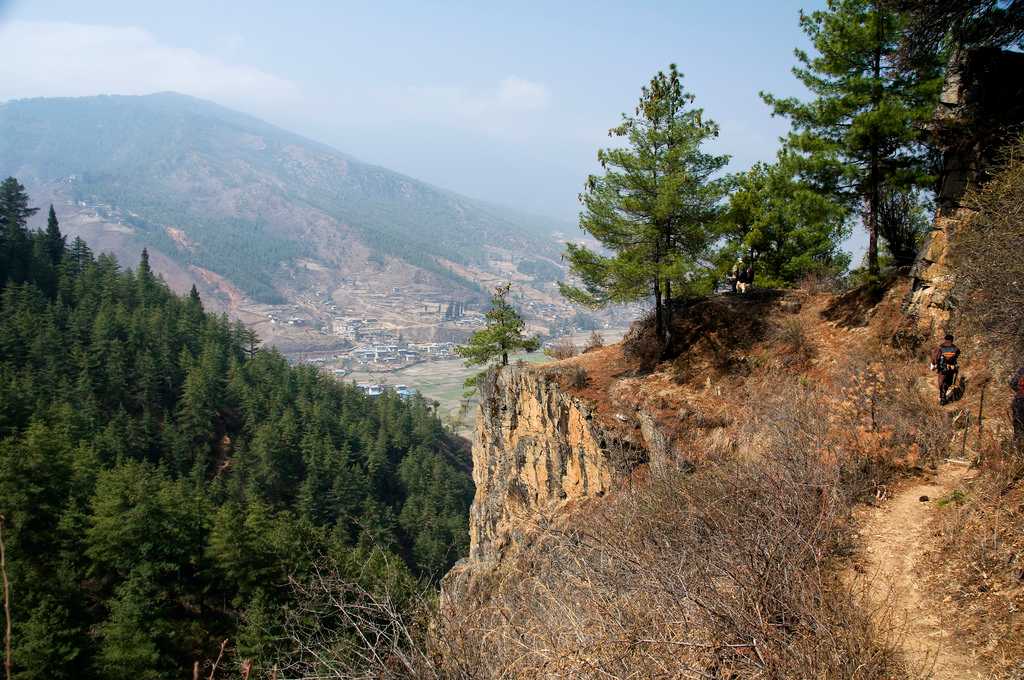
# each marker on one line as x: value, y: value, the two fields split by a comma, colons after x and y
x: 380, y: 323
x: 402, y: 338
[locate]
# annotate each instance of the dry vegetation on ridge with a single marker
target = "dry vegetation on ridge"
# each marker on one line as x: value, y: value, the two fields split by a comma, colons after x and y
x: 729, y: 561
x: 978, y: 553
x: 725, y: 563
x: 737, y: 555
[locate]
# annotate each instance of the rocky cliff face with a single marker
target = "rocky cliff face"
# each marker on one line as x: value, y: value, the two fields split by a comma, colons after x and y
x: 536, y: 450
x: 981, y: 106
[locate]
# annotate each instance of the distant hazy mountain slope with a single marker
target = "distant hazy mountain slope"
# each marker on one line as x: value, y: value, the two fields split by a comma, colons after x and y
x: 237, y: 196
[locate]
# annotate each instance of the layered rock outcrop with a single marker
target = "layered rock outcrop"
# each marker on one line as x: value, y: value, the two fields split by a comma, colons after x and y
x: 536, y: 450
x: 981, y: 108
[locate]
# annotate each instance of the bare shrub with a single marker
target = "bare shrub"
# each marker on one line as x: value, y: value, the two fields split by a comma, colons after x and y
x: 342, y: 630
x: 821, y: 282
x: 572, y: 376
x: 641, y: 344
x: 885, y: 424
x: 563, y: 349
x: 990, y: 278
x: 798, y: 345
x: 595, y: 341
x: 726, y: 572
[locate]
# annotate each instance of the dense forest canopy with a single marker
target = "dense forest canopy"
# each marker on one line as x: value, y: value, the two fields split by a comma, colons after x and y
x: 161, y: 476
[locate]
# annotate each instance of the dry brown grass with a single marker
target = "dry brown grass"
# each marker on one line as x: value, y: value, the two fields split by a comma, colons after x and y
x: 724, y: 565
x: 727, y: 572
x: 816, y: 283
x: 723, y: 570
x: 979, y: 563
x: 990, y: 280
x: 796, y: 343
x: 595, y: 341
x: 978, y: 560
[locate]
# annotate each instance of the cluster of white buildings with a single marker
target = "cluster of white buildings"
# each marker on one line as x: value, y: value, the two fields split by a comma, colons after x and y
x: 391, y: 354
x: 377, y: 389
x: 438, y: 350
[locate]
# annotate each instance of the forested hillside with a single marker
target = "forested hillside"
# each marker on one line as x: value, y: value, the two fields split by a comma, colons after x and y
x: 248, y: 196
x: 161, y: 476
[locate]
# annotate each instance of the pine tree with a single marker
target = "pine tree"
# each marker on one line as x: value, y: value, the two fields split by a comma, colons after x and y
x: 116, y: 398
x: 14, y: 203
x: 49, y: 644
x: 54, y: 240
x: 502, y: 334
x: 144, y: 276
x: 790, y: 229
x: 960, y: 24
x: 15, y: 243
x: 130, y: 638
x: 251, y: 342
x: 79, y: 256
x: 656, y: 206
x: 864, y: 129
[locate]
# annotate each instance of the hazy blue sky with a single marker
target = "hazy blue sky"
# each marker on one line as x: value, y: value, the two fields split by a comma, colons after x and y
x: 502, y: 101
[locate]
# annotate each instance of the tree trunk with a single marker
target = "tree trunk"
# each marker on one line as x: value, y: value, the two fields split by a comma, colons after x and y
x: 504, y: 358
x: 668, y: 312
x: 659, y: 318
x: 7, y: 604
x: 873, y: 199
x: 875, y: 179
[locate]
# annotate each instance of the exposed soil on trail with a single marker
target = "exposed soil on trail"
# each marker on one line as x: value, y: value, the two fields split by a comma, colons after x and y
x: 896, y: 537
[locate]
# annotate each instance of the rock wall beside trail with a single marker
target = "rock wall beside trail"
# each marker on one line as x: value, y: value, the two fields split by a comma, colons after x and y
x: 981, y: 108
x: 536, y: 450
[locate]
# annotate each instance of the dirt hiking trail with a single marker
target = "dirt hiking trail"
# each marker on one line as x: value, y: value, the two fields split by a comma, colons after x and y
x: 896, y: 537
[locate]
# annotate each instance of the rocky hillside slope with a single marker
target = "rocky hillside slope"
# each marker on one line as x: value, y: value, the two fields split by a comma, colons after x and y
x: 694, y: 516
x: 778, y: 494
x: 255, y: 214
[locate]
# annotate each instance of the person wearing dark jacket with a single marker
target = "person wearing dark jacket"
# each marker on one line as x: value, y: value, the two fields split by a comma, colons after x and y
x: 1017, y: 406
x: 944, y: 362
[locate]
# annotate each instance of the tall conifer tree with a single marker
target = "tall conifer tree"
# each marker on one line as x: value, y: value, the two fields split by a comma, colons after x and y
x: 15, y: 243
x: 54, y: 240
x: 656, y: 206
x: 502, y: 335
x: 864, y: 129
x: 789, y: 228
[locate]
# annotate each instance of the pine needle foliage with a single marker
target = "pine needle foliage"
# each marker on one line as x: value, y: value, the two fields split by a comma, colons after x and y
x: 655, y: 208
x: 502, y: 335
x: 864, y: 128
x: 792, y: 230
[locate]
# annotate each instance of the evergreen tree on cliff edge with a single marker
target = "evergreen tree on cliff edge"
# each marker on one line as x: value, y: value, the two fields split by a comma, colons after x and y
x: 502, y: 335
x: 655, y: 208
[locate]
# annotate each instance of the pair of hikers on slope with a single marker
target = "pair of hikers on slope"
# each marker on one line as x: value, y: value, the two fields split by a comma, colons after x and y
x: 741, y: 277
x: 945, y: 359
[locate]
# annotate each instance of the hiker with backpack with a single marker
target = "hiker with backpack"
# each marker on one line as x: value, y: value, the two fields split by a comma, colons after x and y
x: 745, y: 278
x: 1017, y: 406
x: 734, y: 276
x: 944, y: 362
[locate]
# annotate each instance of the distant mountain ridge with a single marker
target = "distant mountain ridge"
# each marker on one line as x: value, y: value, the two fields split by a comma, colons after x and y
x: 234, y: 195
